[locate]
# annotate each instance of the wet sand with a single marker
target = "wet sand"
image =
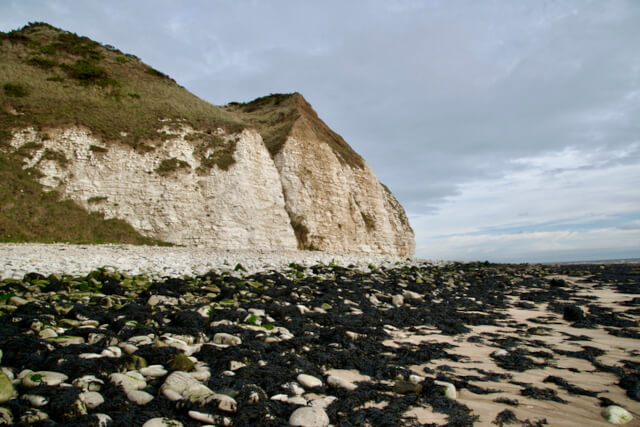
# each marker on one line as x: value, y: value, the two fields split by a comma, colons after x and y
x: 554, y: 334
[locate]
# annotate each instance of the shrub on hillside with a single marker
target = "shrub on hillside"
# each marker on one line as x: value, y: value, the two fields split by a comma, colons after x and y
x: 45, y: 64
x: 171, y: 165
x: 15, y: 90
x: 85, y: 71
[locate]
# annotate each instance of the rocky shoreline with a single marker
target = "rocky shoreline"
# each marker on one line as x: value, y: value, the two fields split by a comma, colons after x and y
x: 378, y: 342
x: 18, y: 259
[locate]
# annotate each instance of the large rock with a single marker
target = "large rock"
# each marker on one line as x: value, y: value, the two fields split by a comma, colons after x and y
x: 309, y: 416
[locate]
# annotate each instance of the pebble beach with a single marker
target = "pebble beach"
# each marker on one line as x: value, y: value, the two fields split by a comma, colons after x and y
x: 168, y: 336
x: 18, y: 259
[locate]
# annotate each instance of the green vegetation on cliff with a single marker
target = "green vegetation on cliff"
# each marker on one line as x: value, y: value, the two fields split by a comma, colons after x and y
x: 29, y: 214
x: 52, y: 78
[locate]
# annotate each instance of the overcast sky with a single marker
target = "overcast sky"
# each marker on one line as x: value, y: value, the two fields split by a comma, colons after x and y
x: 509, y: 130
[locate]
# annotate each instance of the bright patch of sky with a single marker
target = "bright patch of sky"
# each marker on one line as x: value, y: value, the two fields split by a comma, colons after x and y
x: 558, y: 206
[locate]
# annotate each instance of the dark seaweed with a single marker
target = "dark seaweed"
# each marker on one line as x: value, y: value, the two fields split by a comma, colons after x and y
x: 569, y: 387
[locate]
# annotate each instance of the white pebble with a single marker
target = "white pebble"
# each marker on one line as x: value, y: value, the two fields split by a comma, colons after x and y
x: 139, y: 397
x: 90, y: 356
x: 88, y: 383
x: 616, y: 414
x: 201, y: 416
x: 112, y: 351
x: 131, y: 380
x: 154, y: 371
x: 309, y: 381
x: 35, y: 400
x: 294, y: 388
x: 103, y: 420
x: 323, y: 402
x: 297, y: 400
x: 140, y: 340
x: 47, y: 333
x: 397, y: 300
x: 171, y: 394
x: 162, y: 422
x: 415, y: 379
x: 129, y: 348
x: 226, y: 339
x: 412, y: 295
x: 201, y: 373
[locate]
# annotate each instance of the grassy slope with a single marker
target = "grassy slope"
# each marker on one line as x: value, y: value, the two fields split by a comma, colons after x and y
x: 73, y: 80
x: 280, y: 115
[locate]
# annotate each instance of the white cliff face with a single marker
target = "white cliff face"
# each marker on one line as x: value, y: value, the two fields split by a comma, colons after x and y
x: 257, y: 203
x: 239, y: 208
x: 340, y: 208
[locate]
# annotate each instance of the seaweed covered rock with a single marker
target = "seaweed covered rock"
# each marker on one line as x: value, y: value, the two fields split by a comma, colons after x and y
x: 7, y: 391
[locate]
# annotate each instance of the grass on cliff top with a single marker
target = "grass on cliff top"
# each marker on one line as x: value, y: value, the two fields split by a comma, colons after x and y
x: 52, y: 78
x: 278, y: 116
x: 29, y: 214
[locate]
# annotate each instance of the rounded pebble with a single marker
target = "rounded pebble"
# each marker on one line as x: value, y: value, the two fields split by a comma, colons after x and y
x: 309, y: 416
x: 338, y: 382
x: 309, y: 381
x: 139, y: 397
x: 91, y: 399
x: 226, y: 339
x: 154, y: 371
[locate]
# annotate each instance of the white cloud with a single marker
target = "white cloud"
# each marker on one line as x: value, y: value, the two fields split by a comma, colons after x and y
x: 550, y: 204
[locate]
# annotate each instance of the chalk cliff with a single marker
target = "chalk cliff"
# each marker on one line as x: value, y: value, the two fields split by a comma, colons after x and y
x: 267, y: 174
x: 332, y: 196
